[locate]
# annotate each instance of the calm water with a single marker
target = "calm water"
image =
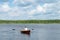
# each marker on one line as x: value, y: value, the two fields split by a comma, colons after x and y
x: 40, y: 32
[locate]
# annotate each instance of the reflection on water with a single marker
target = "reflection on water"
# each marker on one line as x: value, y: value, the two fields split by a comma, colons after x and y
x: 25, y: 37
x: 40, y: 32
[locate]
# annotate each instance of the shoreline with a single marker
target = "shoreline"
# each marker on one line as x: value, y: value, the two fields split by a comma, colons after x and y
x: 29, y: 21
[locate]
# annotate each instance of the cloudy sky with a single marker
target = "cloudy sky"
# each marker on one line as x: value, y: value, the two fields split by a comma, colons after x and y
x: 29, y: 9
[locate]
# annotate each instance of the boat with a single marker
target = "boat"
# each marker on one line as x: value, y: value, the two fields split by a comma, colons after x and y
x: 25, y: 31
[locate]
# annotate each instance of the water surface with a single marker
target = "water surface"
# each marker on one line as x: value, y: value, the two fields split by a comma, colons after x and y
x: 40, y: 32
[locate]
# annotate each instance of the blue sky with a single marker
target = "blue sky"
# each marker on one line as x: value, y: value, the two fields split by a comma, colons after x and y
x: 29, y: 9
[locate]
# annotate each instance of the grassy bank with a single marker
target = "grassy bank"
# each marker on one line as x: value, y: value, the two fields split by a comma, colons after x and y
x: 29, y: 21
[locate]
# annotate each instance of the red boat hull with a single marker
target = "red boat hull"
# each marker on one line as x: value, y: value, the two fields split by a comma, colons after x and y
x: 25, y: 31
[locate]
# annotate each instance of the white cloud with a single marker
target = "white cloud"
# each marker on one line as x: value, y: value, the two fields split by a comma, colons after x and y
x: 59, y: 11
x: 49, y: 10
x: 4, y: 7
x: 16, y: 12
x: 31, y: 9
x: 32, y: 12
x: 12, y: 14
x: 23, y: 1
x: 40, y: 8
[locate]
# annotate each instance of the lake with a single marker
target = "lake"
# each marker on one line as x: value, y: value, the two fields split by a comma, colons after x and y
x: 40, y: 32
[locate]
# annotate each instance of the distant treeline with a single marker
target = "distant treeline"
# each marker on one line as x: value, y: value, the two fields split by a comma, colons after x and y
x: 30, y: 21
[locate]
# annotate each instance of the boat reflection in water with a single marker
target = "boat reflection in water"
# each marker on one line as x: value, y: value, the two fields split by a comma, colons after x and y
x: 25, y: 31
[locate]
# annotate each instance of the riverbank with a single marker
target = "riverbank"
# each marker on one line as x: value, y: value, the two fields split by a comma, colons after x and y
x: 29, y: 21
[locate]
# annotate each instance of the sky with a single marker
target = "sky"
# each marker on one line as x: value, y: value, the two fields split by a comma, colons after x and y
x: 29, y: 9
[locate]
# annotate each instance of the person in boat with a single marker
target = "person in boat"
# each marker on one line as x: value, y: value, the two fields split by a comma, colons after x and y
x: 25, y: 28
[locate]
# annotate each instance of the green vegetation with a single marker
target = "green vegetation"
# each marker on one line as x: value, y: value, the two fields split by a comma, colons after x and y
x: 28, y: 21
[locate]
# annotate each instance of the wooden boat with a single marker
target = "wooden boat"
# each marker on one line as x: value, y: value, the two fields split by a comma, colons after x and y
x: 25, y: 31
